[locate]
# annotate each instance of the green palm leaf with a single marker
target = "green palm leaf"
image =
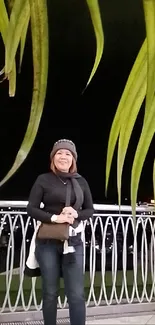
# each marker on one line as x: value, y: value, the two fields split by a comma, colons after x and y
x: 141, y: 152
x: 149, y: 13
x: 97, y: 24
x: 19, y: 15
x: 125, y: 101
x: 4, y: 23
x: 12, y: 80
x: 131, y: 109
x: 39, y: 30
x: 4, y: 20
x: 22, y: 41
x: 148, y: 129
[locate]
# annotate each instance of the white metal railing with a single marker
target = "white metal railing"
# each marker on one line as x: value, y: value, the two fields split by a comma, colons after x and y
x: 119, y: 259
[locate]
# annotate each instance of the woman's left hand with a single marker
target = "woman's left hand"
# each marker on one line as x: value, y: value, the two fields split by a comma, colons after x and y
x: 71, y: 211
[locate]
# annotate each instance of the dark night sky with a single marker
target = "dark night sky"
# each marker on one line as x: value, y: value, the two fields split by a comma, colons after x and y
x: 87, y: 118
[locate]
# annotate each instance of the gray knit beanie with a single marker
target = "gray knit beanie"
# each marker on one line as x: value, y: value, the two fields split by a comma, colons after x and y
x: 64, y: 144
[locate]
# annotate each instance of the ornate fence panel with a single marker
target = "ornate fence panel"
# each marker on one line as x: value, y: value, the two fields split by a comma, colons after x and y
x: 119, y: 258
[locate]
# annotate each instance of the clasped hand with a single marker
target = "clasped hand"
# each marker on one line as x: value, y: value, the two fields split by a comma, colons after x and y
x: 68, y: 215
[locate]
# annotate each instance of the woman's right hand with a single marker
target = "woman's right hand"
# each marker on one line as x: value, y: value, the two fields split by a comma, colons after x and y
x: 64, y: 217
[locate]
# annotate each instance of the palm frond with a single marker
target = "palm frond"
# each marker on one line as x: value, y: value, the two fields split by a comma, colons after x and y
x: 19, y: 15
x: 23, y: 41
x: 39, y: 30
x: 148, y: 129
x: 4, y: 24
x: 131, y: 109
x: 149, y: 14
x: 130, y: 91
x: 146, y: 137
x: 94, y: 9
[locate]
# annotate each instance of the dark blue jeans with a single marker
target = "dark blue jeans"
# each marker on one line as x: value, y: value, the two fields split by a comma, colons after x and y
x: 49, y: 254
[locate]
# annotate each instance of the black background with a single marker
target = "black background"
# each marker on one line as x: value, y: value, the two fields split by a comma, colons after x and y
x: 84, y: 118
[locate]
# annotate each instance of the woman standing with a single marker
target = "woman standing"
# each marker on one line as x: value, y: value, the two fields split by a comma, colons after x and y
x: 67, y: 199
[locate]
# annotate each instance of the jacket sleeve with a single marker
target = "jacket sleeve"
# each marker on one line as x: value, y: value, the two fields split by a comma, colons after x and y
x: 35, y: 199
x: 87, y: 208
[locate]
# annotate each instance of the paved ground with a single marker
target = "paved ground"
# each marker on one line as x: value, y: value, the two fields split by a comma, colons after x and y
x: 134, y: 320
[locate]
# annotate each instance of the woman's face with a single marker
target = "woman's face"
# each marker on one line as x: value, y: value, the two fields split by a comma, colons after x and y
x: 63, y: 160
